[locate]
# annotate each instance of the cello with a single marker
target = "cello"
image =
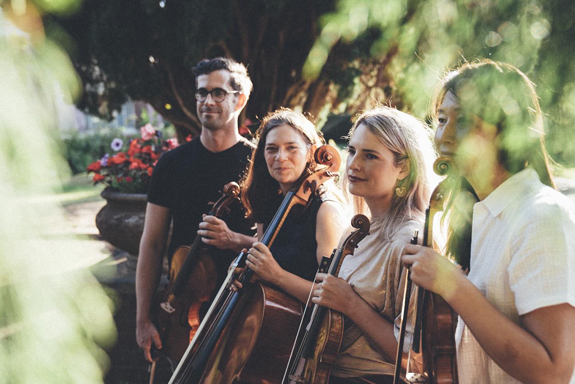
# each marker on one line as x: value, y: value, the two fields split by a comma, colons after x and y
x: 192, y: 281
x: 238, y: 339
x: 434, y: 332
x: 322, y: 340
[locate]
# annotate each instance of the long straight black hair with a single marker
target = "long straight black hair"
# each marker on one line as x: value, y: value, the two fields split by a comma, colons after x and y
x: 502, y: 95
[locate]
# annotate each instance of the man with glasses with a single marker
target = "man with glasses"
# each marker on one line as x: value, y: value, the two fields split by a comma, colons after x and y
x: 187, y: 179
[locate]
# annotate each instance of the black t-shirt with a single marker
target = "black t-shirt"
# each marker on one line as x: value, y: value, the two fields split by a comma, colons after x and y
x: 190, y: 177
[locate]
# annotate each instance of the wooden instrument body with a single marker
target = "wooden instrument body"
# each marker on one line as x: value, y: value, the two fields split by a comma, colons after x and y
x: 330, y: 336
x: 438, y: 330
x: 257, y: 340
x: 326, y: 326
x: 434, y: 341
x: 193, y: 279
x: 221, y: 351
x: 178, y: 328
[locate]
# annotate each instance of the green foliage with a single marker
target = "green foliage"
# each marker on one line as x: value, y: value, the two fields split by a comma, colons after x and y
x: 81, y: 149
x: 356, y: 52
x: 54, y: 317
x: 426, y: 38
x: 145, y: 49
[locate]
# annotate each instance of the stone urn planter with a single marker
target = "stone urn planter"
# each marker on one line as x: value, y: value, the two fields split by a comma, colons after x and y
x: 121, y: 220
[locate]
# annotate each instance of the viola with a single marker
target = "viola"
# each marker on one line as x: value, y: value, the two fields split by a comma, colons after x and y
x: 237, y: 340
x: 434, y: 331
x: 192, y: 282
x: 323, y: 336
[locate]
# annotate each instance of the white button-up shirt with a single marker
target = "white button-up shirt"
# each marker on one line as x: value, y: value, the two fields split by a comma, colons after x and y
x: 522, y: 259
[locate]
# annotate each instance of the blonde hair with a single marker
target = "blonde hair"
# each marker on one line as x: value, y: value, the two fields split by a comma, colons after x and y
x: 409, y: 139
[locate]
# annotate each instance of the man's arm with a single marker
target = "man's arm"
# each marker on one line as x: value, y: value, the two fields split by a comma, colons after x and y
x: 152, y: 246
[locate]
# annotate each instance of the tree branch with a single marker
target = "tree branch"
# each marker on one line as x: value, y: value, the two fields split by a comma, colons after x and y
x: 186, y: 111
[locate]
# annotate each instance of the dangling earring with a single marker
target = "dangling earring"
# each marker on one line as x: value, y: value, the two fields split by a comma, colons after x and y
x: 401, y: 191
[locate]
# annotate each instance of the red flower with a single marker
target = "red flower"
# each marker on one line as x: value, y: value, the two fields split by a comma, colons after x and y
x: 172, y: 143
x: 134, y: 148
x: 136, y: 163
x: 117, y: 159
x: 189, y: 138
x: 96, y: 166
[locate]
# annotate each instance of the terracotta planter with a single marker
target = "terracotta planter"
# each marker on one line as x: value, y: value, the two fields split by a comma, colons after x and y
x: 121, y: 220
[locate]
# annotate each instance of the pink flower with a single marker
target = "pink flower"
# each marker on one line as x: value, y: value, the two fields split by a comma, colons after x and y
x: 147, y: 132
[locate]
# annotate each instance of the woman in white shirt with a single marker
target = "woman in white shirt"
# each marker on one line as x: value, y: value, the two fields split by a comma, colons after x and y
x: 517, y: 305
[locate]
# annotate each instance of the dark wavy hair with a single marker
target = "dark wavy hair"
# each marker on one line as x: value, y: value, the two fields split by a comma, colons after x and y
x: 261, y: 193
x: 239, y: 80
x: 501, y: 95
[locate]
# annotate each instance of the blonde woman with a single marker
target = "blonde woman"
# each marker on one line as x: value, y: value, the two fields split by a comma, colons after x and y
x: 388, y: 174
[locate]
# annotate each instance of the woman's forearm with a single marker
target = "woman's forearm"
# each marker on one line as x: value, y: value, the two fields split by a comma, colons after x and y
x: 517, y: 351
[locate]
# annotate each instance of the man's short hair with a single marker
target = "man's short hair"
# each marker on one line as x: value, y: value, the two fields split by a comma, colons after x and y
x: 239, y: 79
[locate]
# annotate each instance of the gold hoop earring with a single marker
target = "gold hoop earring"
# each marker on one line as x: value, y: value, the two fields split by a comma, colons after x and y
x: 400, y: 191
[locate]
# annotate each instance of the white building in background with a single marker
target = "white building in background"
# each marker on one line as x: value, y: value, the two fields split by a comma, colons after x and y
x: 129, y: 117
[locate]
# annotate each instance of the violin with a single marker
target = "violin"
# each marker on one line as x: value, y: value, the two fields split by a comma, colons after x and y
x: 243, y: 336
x: 324, y: 333
x: 434, y: 331
x: 192, y: 281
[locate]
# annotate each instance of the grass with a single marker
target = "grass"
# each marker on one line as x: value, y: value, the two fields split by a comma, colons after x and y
x: 79, y: 189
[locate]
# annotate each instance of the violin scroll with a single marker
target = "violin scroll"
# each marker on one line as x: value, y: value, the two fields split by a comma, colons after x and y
x: 360, y: 222
x: 232, y: 189
x: 443, y: 165
x: 329, y: 156
x: 231, y: 194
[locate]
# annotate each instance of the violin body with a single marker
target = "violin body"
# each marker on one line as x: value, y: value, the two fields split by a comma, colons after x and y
x: 178, y: 327
x: 193, y: 279
x: 438, y: 331
x: 330, y: 336
x: 324, y: 334
x: 257, y: 340
x: 434, y: 334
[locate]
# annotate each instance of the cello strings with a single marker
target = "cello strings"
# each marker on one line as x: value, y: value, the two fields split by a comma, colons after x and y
x: 291, y: 366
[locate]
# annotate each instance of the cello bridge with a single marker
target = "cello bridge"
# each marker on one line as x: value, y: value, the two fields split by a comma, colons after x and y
x: 167, y: 307
x: 415, y: 378
x: 297, y: 379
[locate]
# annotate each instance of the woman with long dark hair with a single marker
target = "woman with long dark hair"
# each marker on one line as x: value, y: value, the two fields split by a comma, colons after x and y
x: 516, y: 306
x: 283, y: 157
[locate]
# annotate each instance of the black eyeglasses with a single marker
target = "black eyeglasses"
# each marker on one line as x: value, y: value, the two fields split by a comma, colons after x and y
x: 218, y: 94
